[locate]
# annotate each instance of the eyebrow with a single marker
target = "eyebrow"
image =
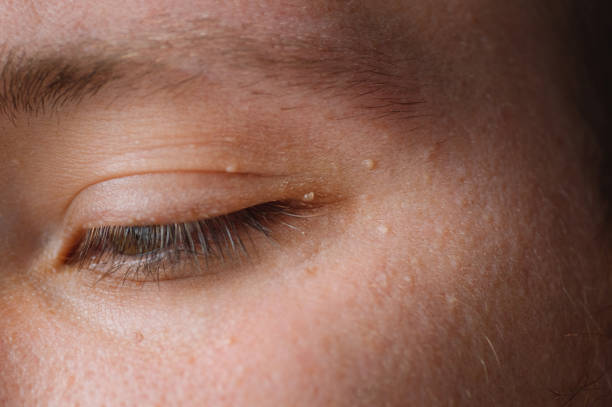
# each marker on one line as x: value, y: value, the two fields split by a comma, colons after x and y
x: 35, y: 85
x: 43, y: 81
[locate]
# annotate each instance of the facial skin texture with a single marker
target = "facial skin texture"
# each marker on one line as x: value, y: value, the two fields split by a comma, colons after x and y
x: 454, y: 257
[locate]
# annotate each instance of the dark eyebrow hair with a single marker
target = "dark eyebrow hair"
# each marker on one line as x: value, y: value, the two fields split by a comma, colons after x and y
x: 33, y: 86
x: 43, y: 81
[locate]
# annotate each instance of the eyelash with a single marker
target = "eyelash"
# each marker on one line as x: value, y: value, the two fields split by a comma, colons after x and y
x: 151, y: 252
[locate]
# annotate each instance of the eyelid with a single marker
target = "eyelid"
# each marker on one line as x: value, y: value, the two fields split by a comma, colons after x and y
x: 175, y: 198
x: 169, y: 198
x: 152, y: 251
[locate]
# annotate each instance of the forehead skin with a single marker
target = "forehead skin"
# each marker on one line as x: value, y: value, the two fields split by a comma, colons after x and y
x: 465, y: 272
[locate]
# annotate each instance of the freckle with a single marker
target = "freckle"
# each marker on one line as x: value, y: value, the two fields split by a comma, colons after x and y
x: 309, y: 197
x: 311, y: 271
x: 382, y: 229
x: 138, y: 337
x: 369, y: 164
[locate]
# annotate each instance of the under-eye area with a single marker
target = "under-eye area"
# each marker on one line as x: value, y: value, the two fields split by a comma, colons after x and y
x: 153, y: 253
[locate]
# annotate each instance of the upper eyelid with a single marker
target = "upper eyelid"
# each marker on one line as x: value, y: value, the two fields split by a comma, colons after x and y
x: 160, y: 198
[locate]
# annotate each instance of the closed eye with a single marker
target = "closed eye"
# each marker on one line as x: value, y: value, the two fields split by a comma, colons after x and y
x: 145, y: 253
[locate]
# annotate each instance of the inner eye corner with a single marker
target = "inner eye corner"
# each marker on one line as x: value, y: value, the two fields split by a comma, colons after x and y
x: 68, y: 253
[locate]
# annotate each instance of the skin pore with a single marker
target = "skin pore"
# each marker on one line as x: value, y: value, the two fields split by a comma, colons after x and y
x: 440, y: 236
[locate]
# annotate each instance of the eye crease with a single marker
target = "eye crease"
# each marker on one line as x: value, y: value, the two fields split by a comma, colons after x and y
x: 146, y: 253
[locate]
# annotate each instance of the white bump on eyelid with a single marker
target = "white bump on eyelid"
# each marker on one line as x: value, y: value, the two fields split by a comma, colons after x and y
x: 231, y: 168
x: 382, y: 229
x: 369, y: 164
x: 309, y: 197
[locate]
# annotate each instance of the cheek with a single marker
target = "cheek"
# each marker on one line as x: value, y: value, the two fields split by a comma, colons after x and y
x: 328, y: 338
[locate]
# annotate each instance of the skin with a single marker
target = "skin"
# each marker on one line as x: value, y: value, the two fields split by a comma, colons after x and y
x: 453, y: 258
